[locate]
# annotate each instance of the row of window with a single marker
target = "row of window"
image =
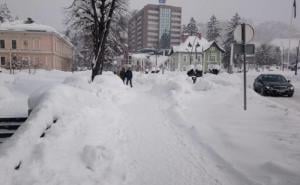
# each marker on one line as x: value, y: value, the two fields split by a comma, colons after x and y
x: 13, y: 44
x: 212, y: 58
x: 36, y: 44
x: 191, y: 58
x: 14, y: 58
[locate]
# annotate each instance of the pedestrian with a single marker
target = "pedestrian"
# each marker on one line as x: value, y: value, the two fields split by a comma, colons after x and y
x: 128, y: 76
x: 122, y: 74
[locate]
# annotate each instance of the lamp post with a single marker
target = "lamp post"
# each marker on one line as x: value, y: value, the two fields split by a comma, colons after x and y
x: 192, y: 49
x: 190, y: 52
x: 10, y: 64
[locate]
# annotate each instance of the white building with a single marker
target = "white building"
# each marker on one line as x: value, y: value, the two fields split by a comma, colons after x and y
x: 196, y: 51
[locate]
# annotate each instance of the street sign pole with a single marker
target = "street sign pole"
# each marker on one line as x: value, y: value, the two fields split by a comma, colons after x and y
x: 296, y: 70
x: 243, y: 34
x: 244, y: 52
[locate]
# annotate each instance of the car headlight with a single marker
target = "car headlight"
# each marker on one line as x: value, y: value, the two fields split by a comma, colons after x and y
x: 268, y: 87
x: 291, y: 87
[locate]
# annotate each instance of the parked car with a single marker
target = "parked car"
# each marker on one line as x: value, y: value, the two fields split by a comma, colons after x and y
x: 274, y: 85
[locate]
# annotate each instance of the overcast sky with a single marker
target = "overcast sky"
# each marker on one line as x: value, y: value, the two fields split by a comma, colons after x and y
x: 51, y: 12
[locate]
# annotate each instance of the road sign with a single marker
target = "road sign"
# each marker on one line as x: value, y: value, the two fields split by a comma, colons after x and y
x: 249, y: 33
x: 250, y: 49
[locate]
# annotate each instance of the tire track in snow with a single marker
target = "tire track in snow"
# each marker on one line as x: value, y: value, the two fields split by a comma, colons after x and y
x: 192, y: 134
x: 179, y: 124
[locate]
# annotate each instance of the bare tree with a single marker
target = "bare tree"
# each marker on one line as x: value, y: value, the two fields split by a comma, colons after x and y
x: 94, y: 18
x: 5, y: 14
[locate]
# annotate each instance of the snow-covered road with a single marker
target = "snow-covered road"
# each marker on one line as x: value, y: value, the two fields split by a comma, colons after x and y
x: 292, y: 103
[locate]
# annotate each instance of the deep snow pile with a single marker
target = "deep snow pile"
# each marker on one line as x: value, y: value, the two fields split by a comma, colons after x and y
x: 165, y: 130
x: 15, y: 89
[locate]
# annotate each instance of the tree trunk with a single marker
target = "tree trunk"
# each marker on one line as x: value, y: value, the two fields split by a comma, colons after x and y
x: 99, y: 57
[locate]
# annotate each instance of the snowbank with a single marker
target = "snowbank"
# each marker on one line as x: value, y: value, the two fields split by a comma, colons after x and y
x: 164, y: 130
x: 63, y: 141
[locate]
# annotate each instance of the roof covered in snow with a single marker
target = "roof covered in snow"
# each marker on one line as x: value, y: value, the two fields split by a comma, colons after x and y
x: 194, y: 41
x: 20, y: 26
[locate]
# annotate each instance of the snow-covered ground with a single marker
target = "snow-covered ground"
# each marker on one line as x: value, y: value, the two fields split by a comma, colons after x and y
x: 164, y: 130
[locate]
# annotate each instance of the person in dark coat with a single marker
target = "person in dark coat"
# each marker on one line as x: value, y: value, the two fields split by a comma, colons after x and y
x: 128, y: 76
x: 122, y: 74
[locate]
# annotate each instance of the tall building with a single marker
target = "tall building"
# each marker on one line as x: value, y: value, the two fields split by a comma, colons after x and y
x: 155, y: 26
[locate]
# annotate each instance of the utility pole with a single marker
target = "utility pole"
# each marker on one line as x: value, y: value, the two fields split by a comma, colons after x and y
x: 203, y: 58
x: 293, y: 16
x: 282, y: 58
x: 10, y: 64
x: 297, y: 59
x: 244, y: 52
x: 230, y: 67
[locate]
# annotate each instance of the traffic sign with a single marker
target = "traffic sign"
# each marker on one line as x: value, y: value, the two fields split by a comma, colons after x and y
x: 249, y: 33
x: 250, y: 49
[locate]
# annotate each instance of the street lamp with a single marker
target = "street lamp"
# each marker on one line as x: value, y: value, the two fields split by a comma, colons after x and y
x: 197, y: 45
x: 192, y: 48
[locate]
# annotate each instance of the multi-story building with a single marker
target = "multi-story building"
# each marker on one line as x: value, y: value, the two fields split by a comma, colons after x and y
x: 34, y: 46
x: 155, y: 26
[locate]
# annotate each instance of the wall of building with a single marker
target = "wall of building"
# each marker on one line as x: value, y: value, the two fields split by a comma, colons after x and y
x: 36, y: 49
x: 146, y: 27
x: 182, y: 61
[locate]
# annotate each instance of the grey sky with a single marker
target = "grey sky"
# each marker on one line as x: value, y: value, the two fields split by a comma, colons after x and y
x: 51, y: 11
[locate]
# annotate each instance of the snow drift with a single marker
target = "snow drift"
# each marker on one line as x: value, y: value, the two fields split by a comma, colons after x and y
x: 164, y: 130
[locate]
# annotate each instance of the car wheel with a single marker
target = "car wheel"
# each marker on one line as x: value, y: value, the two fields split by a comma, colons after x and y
x: 254, y: 88
x: 262, y: 92
x: 290, y: 94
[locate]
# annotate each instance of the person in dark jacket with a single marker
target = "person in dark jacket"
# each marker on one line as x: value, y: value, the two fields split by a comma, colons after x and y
x: 122, y: 74
x: 128, y: 76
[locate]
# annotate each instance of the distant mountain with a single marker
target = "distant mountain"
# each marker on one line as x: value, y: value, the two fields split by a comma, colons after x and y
x: 267, y: 31
x: 264, y: 32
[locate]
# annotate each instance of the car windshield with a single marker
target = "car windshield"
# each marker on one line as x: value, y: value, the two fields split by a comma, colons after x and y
x: 273, y: 78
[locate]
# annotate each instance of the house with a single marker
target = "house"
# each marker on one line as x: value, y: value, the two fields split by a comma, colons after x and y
x: 34, y: 46
x: 147, y: 61
x: 197, y: 51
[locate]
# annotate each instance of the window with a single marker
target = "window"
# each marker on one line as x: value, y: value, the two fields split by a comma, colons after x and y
x: 2, y: 61
x: 2, y: 44
x: 184, y: 58
x: 25, y: 44
x: 199, y: 57
x: 14, y: 44
x: 36, y: 44
x: 212, y: 58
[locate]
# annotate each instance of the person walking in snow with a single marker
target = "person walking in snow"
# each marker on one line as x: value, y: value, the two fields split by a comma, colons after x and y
x: 128, y: 76
x: 122, y: 74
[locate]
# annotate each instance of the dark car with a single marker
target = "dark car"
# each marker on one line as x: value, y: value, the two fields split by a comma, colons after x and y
x: 274, y: 85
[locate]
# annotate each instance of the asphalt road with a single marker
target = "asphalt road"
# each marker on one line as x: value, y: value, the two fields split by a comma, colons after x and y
x: 291, y: 103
